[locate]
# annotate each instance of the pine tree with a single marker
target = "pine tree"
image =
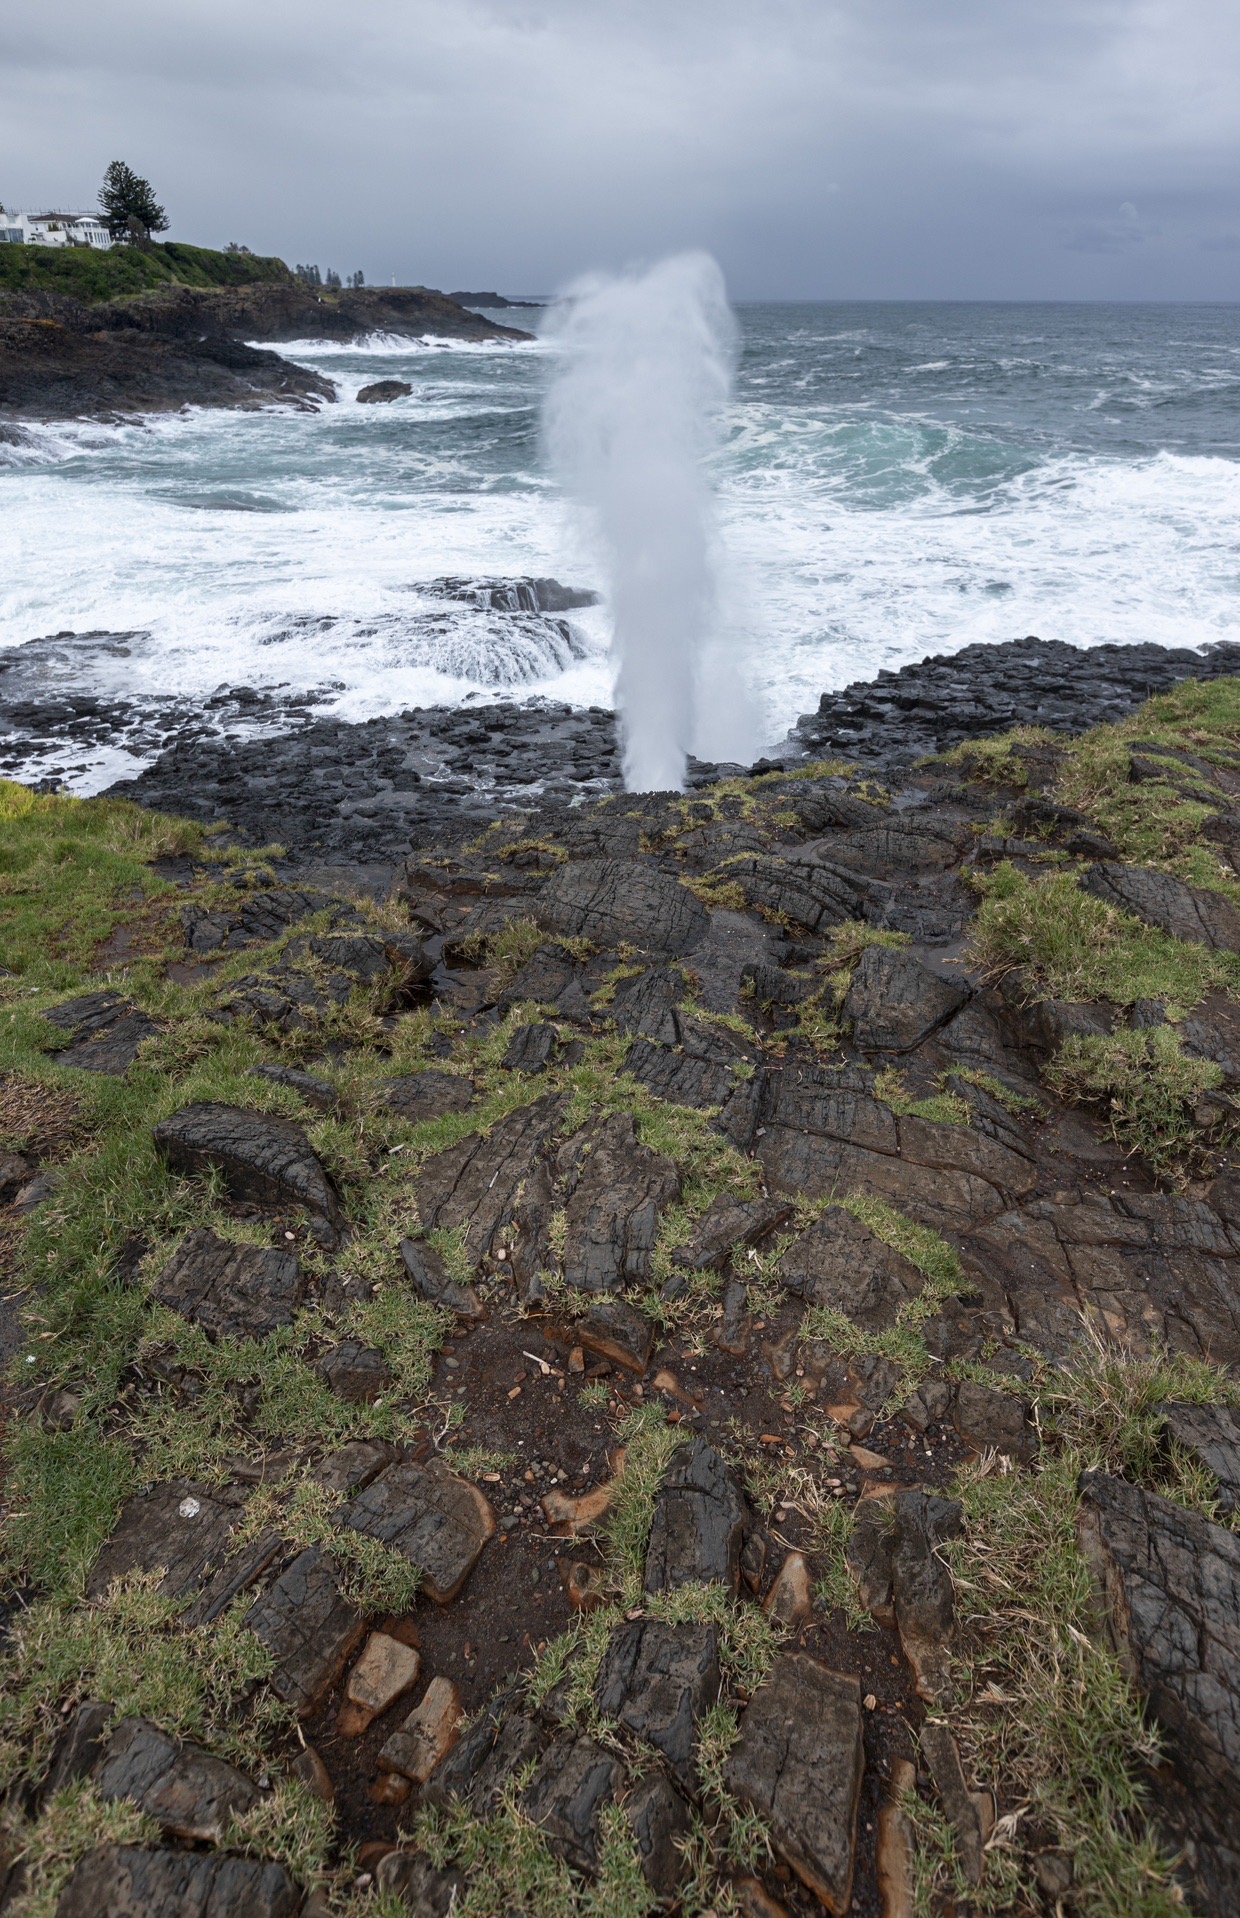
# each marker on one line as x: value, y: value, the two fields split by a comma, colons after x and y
x: 130, y: 209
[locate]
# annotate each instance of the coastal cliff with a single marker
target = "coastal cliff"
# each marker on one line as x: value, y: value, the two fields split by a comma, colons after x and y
x: 177, y: 345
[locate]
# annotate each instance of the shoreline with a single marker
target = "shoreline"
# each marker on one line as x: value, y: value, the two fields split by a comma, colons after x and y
x: 365, y: 791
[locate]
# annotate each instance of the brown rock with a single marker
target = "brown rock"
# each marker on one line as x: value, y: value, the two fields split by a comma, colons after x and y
x: 309, y: 1627
x: 618, y: 1332
x: 943, y: 1759
x: 427, y: 1735
x: 314, y: 1775
x: 790, y: 1600
x: 384, y: 1672
x: 896, y: 1859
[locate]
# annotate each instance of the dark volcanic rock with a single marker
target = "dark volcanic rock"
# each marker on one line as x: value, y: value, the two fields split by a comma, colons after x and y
x: 105, y: 1031
x: 431, y: 1281
x: 841, y: 1264
x: 660, y: 1819
x: 179, y: 1529
x: 902, y: 1579
x: 532, y: 1048
x: 309, y: 1627
x: 422, y: 1891
x: 658, y: 1680
x: 315, y: 1092
x: 996, y: 1420
x: 698, y: 1525
x: 355, y: 1372
x: 263, y: 1158
x: 574, y: 1780
x: 1187, y: 912
x: 191, y: 1794
x: 812, y: 895
x: 120, y: 1881
x: 727, y: 1224
x: 428, y: 1095
x: 798, y: 1762
x: 618, y: 901
x: 440, y: 1523
x: 475, y: 1183
x: 617, y: 1190
x: 899, y: 844
x: 618, y: 1331
x: 231, y: 1290
x: 1170, y: 1583
x: 381, y: 391
x: 1212, y: 1434
x: 497, y: 1744
x: 895, y: 1002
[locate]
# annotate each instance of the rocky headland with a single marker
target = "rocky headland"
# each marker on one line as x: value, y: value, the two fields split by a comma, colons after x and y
x: 177, y: 345
x: 667, y: 1352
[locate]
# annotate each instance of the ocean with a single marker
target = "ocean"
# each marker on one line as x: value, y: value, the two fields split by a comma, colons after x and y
x: 896, y: 480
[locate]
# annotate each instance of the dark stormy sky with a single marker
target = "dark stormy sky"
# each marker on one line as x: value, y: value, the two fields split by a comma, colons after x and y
x: 820, y: 148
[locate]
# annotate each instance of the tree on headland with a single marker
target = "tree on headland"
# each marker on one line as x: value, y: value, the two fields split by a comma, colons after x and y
x: 130, y: 209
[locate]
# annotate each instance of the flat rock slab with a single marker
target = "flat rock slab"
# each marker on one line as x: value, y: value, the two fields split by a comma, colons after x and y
x: 263, y: 1158
x: 232, y: 1290
x: 729, y: 1225
x: 698, y: 1525
x: 574, y: 1779
x: 658, y: 1680
x: 995, y: 1421
x: 617, y: 1190
x: 899, y: 845
x: 475, y: 1183
x: 191, y: 1794
x: 903, y: 1580
x: 354, y: 1372
x: 623, y: 901
x: 1170, y: 1584
x: 427, y: 1735
x: 1191, y: 913
x: 798, y: 1762
x: 646, y: 1003
x: 421, y: 1096
x: 499, y: 1742
x: 618, y: 1331
x: 120, y: 1881
x: 532, y: 1048
x: 105, y: 1031
x: 1212, y: 1434
x: 841, y: 1264
x: 894, y: 1002
x: 179, y: 1529
x: 434, y: 1519
x: 309, y: 1627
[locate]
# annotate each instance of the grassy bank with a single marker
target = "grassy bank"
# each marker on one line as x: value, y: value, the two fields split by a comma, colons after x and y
x: 87, y: 274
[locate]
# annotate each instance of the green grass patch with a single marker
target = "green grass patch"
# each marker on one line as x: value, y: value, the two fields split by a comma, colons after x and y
x: 901, y: 1342
x: 1004, y: 760
x: 1074, y: 946
x: 94, y: 274
x: 1148, y: 1089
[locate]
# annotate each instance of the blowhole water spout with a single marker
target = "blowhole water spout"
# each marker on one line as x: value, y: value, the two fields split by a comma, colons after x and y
x: 633, y: 416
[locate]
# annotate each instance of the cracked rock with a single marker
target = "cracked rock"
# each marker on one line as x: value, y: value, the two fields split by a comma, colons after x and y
x: 618, y: 1332
x: 1212, y: 1434
x: 179, y: 1529
x: 232, y: 1290
x: 262, y: 1157
x: 422, y: 1891
x: 309, y: 1627
x: 997, y: 1421
x: 574, y: 1779
x: 617, y: 1191
x: 658, y: 1680
x: 355, y: 1372
x: 476, y: 1182
x: 105, y: 1032
x: 121, y: 1881
x: 427, y: 1735
x: 428, y: 1095
x: 1192, y: 913
x: 1170, y: 1585
x: 895, y: 1002
x: 841, y: 1264
x: 189, y: 1793
x: 798, y: 1762
x: 698, y: 1524
x: 726, y: 1225
x: 439, y: 1522
x: 430, y: 1280
x: 623, y: 901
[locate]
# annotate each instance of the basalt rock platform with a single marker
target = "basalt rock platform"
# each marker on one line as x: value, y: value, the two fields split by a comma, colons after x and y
x: 619, y: 1367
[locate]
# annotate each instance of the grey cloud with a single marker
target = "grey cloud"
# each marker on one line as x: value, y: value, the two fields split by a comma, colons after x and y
x: 821, y: 147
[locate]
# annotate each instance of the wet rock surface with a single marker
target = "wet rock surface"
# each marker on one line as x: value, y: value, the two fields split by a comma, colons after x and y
x: 121, y: 1881
x: 699, y: 1518
x: 1170, y: 1585
x: 260, y: 1156
x: 104, y: 1031
x: 798, y: 1762
x: 232, y: 1291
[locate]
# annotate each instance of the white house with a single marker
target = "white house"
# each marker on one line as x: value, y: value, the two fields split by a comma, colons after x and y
x: 53, y: 229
